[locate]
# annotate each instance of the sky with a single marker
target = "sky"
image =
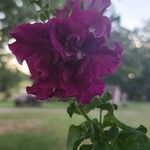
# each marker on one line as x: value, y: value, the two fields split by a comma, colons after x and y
x: 133, y: 12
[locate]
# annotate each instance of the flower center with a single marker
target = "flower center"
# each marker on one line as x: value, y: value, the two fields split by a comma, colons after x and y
x: 73, y: 43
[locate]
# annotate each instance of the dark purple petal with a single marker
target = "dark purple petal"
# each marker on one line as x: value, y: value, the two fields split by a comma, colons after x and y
x: 102, y: 27
x: 83, y: 90
x: 44, y: 86
x: 30, y: 38
x: 96, y: 88
x: 42, y: 89
x: 92, y: 45
x: 22, y: 51
x: 107, y: 60
x: 85, y: 18
x: 31, y: 61
x: 56, y: 44
x: 85, y: 70
x: 92, y: 22
x: 77, y: 28
x: 37, y: 33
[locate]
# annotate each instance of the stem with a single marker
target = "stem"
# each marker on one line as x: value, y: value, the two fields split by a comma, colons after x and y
x: 42, y: 10
x: 101, y: 124
x: 100, y: 116
x: 81, y: 111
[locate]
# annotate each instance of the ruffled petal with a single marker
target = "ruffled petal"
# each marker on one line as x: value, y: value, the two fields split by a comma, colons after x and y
x: 84, y: 17
x: 44, y: 86
x: 92, y: 22
x: 37, y: 33
x: 22, y: 51
x: 60, y: 30
x: 41, y: 89
x: 106, y: 60
x: 77, y: 28
x: 30, y: 38
x: 95, y: 88
x: 102, y: 27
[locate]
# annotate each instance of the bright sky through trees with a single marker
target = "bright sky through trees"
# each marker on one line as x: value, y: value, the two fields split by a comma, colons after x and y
x: 133, y: 12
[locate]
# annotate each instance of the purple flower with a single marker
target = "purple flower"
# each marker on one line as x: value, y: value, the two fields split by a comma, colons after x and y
x: 68, y: 55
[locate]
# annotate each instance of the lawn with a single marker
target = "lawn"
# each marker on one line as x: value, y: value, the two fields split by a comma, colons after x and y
x: 46, y: 128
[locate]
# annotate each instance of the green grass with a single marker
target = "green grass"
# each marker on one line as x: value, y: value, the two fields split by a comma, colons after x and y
x: 24, y: 141
x: 6, y: 104
x: 46, y: 128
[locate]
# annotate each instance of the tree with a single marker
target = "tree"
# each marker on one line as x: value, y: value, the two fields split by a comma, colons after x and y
x: 133, y: 75
x: 9, y: 78
x: 13, y: 12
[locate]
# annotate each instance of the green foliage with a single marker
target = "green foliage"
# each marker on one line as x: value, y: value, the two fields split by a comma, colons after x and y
x: 107, y: 133
x: 76, y: 135
x: 9, y: 78
x: 19, y: 11
x: 142, y: 129
x: 22, y: 12
x: 44, y: 6
x: 132, y: 141
x: 72, y: 108
x: 106, y: 97
x: 134, y: 71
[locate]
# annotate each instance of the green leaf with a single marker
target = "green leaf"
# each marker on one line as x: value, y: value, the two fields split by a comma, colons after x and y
x: 32, y: 1
x: 76, y: 135
x: 108, y: 120
x: 113, y: 146
x: 95, y: 130
x: 95, y: 136
x: 43, y: 17
x: 86, y: 109
x: 111, y: 134
x: 133, y: 141
x: 103, y: 104
x: 142, y: 129
x: 115, y: 106
x: 95, y: 103
x: 37, y: 2
x: 114, y: 131
x: 106, y: 97
x: 108, y: 107
x: 47, y: 6
x: 86, y: 147
x: 71, y: 109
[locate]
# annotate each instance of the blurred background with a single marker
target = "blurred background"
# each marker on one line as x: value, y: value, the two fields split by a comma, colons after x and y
x: 28, y: 124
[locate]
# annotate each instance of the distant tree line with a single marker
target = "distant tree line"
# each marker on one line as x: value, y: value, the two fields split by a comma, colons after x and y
x: 133, y: 77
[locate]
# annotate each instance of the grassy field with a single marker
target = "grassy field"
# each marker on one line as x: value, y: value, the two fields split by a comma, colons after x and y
x: 46, y: 128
